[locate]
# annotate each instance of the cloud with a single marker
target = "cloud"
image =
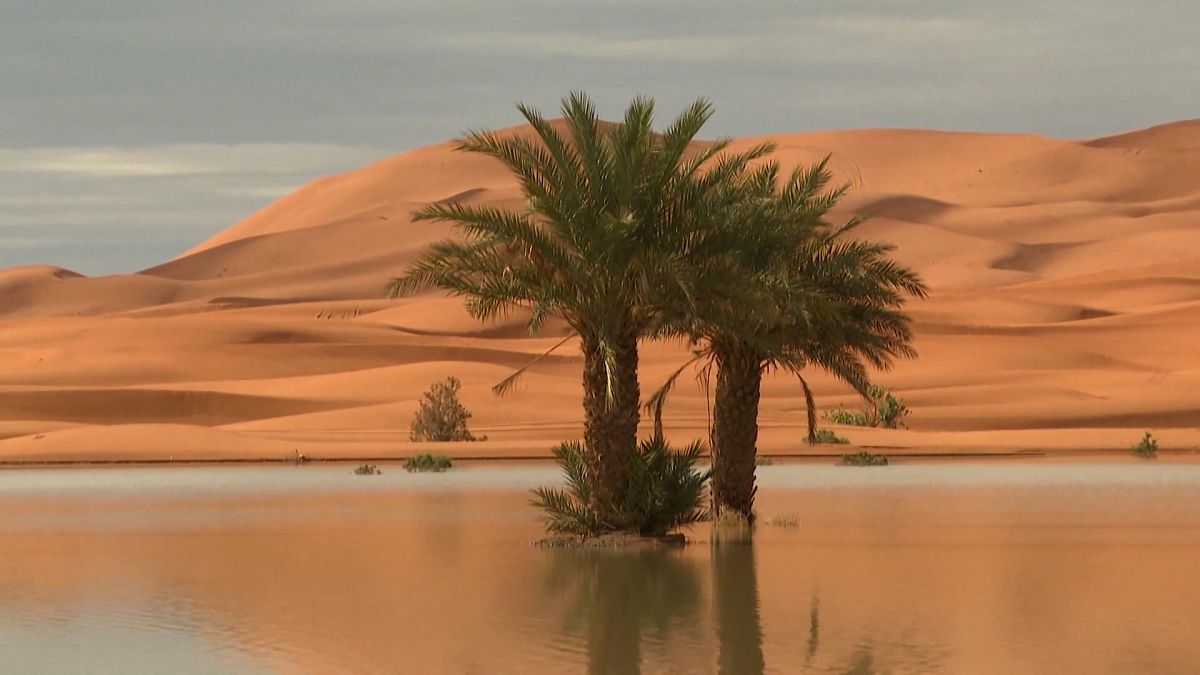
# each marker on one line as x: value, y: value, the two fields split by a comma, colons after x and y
x: 615, y: 48
x: 182, y: 159
x: 139, y: 127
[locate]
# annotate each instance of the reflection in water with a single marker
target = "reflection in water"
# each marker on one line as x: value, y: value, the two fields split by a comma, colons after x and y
x: 862, y: 662
x: 814, y: 630
x: 923, y: 569
x: 616, y: 595
x: 735, y: 594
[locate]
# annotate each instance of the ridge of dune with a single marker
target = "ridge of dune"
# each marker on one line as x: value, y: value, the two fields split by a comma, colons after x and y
x: 1181, y: 135
x: 1064, y: 306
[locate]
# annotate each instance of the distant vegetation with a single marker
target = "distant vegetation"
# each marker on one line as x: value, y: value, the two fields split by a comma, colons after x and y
x: 427, y: 462
x: 846, y: 417
x: 864, y: 458
x: 883, y: 409
x: 626, y: 234
x: 441, y: 416
x: 829, y: 437
x: 367, y: 470
x: 763, y: 460
x: 1147, y: 448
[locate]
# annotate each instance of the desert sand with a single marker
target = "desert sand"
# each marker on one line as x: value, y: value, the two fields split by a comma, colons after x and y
x: 1064, y: 315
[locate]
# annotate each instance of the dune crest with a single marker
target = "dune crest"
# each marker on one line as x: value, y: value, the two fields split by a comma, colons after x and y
x: 1065, y: 312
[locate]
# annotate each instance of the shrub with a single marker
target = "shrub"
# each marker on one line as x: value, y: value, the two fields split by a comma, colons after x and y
x: 828, y: 437
x: 785, y: 520
x: 1147, y: 448
x: 845, y: 417
x: 367, y: 470
x: 889, y: 410
x: 884, y: 410
x: 665, y: 492
x: 427, y: 462
x: 441, y: 416
x: 864, y: 458
x: 763, y: 460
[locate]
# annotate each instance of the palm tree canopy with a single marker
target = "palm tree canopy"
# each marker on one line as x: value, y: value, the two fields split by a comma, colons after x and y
x: 823, y: 298
x: 610, y: 235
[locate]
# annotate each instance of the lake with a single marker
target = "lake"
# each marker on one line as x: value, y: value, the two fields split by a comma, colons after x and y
x: 949, y: 567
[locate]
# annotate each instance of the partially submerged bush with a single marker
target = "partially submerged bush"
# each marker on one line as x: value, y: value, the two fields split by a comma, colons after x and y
x: 784, y: 520
x: 884, y: 409
x: 367, y: 470
x: 665, y: 492
x: 864, y: 458
x: 1147, y: 448
x: 828, y: 437
x: 427, y: 462
x: 441, y: 416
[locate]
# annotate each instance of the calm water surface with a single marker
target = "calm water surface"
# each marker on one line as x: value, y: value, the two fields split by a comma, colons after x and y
x: 944, y: 568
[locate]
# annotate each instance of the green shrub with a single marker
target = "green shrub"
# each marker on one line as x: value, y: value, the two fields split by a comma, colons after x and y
x: 1147, y: 448
x: 864, y: 458
x: 884, y: 410
x: 846, y: 417
x: 889, y: 410
x: 828, y: 437
x: 441, y: 416
x: 427, y: 462
x: 367, y: 470
x: 762, y: 460
x: 665, y: 492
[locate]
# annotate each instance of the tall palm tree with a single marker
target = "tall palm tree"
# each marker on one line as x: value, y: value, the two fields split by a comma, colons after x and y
x: 835, y: 304
x: 840, y: 310
x: 610, y: 222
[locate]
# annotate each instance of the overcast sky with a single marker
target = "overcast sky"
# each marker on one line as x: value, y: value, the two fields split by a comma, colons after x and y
x: 132, y: 129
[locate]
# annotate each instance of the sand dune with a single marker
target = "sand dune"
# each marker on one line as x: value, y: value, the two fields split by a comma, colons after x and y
x: 1065, y: 313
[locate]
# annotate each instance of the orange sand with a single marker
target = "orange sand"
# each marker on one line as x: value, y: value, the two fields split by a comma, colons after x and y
x: 1064, y: 314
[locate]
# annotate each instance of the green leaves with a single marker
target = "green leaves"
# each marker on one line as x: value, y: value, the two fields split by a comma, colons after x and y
x: 664, y: 493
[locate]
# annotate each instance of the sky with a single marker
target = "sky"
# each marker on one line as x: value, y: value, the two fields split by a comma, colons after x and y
x: 131, y: 130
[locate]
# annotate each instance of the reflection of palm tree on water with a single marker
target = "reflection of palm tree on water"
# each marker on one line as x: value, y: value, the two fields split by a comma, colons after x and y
x: 735, y: 599
x: 618, y: 595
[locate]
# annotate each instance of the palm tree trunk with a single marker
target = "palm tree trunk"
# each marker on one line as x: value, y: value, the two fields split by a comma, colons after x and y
x: 735, y: 427
x: 811, y: 406
x: 610, y: 423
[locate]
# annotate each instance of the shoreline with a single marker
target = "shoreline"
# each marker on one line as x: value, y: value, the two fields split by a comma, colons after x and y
x: 905, y: 455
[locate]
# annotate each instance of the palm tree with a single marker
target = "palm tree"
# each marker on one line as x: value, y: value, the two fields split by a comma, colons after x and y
x: 836, y: 305
x: 610, y: 222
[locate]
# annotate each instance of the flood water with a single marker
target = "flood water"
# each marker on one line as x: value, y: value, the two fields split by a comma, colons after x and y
x: 1035, y: 566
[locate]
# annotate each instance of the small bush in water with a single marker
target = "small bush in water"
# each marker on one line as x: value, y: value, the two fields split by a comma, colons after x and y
x: 665, y: 492
x: 427, y: 462
x: 441, y: 416
x: 864, y: 458
x: 785, y: 520
x: 828, y: 437
x: 367, y: 470
x: 1147, y: 447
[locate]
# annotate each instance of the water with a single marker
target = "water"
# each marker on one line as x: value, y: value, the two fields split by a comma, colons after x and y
x: 955, y: 567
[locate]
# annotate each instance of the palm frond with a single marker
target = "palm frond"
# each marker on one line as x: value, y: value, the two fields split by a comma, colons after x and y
x: 505, y: 385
